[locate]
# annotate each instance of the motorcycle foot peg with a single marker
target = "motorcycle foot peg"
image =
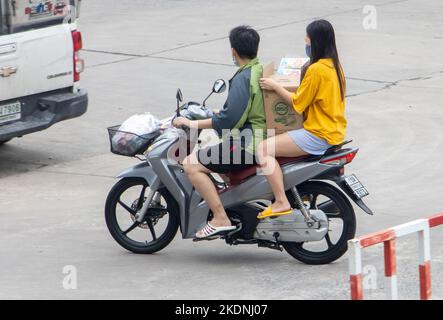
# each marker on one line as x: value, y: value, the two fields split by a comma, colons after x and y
x: 206, y: 239
x: 270, y: 245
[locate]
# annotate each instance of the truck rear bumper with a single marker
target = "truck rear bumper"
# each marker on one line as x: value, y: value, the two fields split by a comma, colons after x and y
x: 42, y: 111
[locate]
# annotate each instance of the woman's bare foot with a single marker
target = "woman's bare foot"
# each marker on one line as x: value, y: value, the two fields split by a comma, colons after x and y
x: 280, y: 206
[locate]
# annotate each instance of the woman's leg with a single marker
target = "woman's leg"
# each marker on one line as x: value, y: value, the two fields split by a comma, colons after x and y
x: 278, y: 146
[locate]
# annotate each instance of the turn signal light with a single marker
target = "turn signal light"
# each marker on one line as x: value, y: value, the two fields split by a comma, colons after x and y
x: 340, y: 161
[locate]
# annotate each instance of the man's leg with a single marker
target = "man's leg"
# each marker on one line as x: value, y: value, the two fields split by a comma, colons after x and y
x: 198, y: 175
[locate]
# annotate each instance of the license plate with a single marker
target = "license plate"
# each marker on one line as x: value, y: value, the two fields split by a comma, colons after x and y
x: 10, y: 112
x: 356, y: 186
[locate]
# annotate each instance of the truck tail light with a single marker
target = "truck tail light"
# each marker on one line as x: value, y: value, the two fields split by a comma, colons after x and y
x: 79, y: 64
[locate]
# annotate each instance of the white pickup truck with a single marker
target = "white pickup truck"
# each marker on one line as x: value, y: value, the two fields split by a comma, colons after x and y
x: 40, y: 65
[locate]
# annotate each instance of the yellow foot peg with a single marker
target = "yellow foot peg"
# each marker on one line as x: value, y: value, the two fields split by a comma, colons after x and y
x: 268, y: 213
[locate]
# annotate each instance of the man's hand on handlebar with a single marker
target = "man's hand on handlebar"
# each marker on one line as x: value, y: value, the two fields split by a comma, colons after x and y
x: 181, y: 122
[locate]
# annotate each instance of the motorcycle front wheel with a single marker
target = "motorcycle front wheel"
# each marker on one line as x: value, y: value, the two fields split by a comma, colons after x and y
x: 319, y: 195
x: 159, y: 226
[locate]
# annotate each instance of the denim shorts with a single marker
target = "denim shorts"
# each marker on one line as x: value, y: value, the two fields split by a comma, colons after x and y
x: 308, y: 142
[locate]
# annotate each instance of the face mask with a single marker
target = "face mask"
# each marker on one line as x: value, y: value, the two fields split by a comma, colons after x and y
x: 308, y: 50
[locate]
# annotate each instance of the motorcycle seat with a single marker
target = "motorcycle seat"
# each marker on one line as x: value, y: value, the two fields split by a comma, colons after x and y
x: 236, y: 177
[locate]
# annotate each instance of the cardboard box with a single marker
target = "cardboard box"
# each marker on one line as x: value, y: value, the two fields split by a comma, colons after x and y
x: 280, y: 116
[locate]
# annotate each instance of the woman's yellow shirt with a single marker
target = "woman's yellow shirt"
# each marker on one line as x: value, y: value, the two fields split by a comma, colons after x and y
x: 319, y: 99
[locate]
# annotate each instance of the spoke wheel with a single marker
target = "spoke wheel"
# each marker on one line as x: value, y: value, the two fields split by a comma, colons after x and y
x: 318, y: 195
x: 124, y: 204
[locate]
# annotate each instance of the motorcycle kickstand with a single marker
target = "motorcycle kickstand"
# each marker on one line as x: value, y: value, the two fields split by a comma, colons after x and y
x: 271, y: 245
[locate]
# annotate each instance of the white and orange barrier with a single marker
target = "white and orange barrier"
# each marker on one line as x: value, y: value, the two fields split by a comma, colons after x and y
x: 388, y: 238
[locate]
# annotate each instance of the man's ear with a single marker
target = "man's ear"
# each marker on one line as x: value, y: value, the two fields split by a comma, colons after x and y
x: 234, y: 53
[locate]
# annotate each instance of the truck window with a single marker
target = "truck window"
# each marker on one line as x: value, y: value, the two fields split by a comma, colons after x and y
x: 23, y: 15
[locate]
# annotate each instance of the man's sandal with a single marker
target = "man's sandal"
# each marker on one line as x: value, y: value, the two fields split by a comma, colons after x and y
x: 268, y: 213
x: 210, y: 231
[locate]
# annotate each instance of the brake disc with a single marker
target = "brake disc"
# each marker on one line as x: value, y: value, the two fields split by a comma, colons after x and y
x: 155, y: 219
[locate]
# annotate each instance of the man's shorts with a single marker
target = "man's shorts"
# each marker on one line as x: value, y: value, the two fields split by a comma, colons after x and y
x: 226, y: 157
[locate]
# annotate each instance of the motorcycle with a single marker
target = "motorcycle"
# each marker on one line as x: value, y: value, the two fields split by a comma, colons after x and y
x: 158, y: 199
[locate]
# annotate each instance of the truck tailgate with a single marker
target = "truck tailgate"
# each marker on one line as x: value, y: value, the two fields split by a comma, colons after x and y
x: 36, y: 61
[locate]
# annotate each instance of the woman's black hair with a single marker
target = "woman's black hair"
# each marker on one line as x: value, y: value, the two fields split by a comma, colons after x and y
x: 322, y: 36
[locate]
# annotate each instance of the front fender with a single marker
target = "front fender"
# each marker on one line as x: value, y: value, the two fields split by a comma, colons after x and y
x: 142, y: 170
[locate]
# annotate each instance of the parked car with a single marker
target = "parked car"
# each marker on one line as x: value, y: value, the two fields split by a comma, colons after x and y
x: 40, y: 66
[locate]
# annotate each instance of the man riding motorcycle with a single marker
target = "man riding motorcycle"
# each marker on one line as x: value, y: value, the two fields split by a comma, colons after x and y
x: 243, y: 112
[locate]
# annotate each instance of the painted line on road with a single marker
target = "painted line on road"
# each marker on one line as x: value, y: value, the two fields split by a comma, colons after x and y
x: 115, y: 53
x: 274, y: 27
x: 192, y: 44
x: 76, y: 174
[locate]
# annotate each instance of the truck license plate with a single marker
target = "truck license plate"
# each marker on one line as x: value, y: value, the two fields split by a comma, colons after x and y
x: 10, y: 112
x: 356, y: 186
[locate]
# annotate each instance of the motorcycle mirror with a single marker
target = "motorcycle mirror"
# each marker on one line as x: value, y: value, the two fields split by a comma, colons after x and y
x: 219, y: 86
x: 179, y: 95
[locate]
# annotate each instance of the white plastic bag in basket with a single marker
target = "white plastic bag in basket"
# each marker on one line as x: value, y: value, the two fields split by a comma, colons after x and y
x: 140, y: 124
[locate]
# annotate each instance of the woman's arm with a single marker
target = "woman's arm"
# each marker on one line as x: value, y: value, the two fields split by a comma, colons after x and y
x: 304, y: 95
x: 272, y: 85
x: 283, y: 93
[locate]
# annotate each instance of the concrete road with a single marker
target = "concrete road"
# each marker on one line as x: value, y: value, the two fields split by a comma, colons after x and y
x: 54, y: 183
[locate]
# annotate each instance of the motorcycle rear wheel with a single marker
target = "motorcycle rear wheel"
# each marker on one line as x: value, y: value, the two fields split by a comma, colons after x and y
x: 158, y: 242
x: 339, y: 208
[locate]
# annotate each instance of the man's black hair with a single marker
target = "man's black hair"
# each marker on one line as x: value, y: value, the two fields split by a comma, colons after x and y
x: 245, y: 41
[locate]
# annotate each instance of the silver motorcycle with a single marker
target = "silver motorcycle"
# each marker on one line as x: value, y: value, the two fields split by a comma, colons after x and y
x: 153, y: 199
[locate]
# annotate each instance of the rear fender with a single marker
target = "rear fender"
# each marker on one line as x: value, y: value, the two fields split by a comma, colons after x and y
x: 341, y: 183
